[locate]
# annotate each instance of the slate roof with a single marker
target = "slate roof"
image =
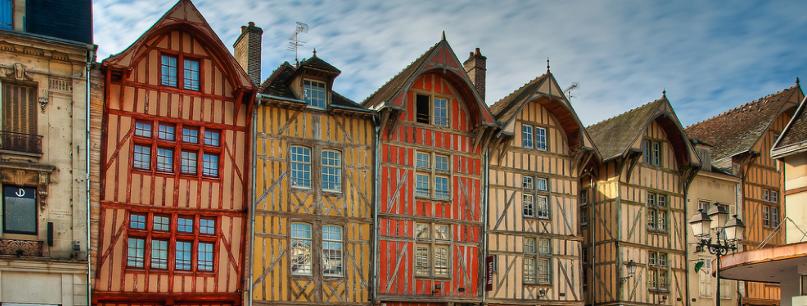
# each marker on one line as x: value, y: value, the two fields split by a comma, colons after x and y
x: 501, y: 109
x: 737, y: 130
x: 389, y: 89
x: 277, y: 85
x: 614, y: 135
x: 796, y: 131
x: 317, y: 63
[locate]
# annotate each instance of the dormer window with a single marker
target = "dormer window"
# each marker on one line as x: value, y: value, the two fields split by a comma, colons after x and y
x: 431, y: 110
x: 169, y: 75
x: 168, y: 70
x: 314, y: 93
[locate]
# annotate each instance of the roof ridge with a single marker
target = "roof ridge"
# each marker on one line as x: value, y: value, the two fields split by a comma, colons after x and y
x: 512, y: 93
x: 744, y: 105
x: 265, y: 83
x: 623, y: 113
x: 378, y: 90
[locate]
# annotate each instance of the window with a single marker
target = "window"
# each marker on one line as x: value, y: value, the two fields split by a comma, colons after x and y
x: 704, y: 205
x: 184, y: 225
x: 165, y: 160
x: 705, y: 278
x: 423, y: 160
x: 207, y: 226
x: 300, y: 158
x: 189, y: 162
x: 432, y: 252
x: 212, y: 138
x: 204, y: 257
x: 134, y: 257
x: 19, y: 114
x: 441, y: 163
x: 314, y: 93
x: 331, y: 170
x: 770, y: 216
x: 774, y: 216
x: 332, y: 250
x: 190, y: 135
x: 162, y: 223
x: 6, y: 15
x: 183, y: 257
x: 537, y: 261
x: 440, y: 112
x: 191, y: 74
x: 656, y: 212
x: 166, y: 132
x: 651, y: 152
x: 422, y: 185
x: 137, y: 221
x: 422, y: 109
x: 584, y: 196
x: 527, y: 183
x: 542, y: 207
x: 143, y: 129
x: 441, y: 188
x: 774, y: 196
x: 210, y: 165
x: 142, y: 157
x: 528, y: 204
x: 658, y: 270
x: 535, y: 197
x: 541, y: 184
x: 19, y: 210
x: 584, y: 209
x: 301, y: 249
x: 168, y: 70
x: 526, y: 136
x: 159, y: 254
x: 540, y: 139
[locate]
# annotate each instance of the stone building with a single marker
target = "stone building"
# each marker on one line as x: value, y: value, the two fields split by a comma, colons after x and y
x: 44, y: 76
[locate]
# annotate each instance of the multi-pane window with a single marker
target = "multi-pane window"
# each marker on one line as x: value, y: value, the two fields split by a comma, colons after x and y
x: 540, y: 138
x: 331, y: 170
x: 168, y: 70
x: 301, y: 257
x: 167, y: 145
x: 441, y: 188
x: 190, y: 74
x: 535, y: 197
x: 441, y: 163
x: 137, y: 221
x: 207, y: 226
x: 300, y: 160
x: 657, y: 212
x: 440, y: 112
x: 161, y: 223
x: 537, y: 261
x: 159, y: 254
x: 584, y: 206
x: 422, y: 185
x: 183, y: 255
x: 185, y: 225
x: 658, y: 271
x: 315, y: 94
x: 204, y: 257
x: 332, y: 250
x: 526, y: 136
x: 423, y: 160
x: 423, y: 108
x: 428, y: 175
x: 136, y: 251
x: 534, y: 137
x: 770, y: 216
x: 433, y: 250
x: 651, y: 152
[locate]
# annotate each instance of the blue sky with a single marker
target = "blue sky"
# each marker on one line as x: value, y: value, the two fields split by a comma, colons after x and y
x: 709, y: 56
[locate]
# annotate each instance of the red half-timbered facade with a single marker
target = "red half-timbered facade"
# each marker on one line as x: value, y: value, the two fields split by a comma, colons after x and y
x: 174, y: 169
x: 434, y: 128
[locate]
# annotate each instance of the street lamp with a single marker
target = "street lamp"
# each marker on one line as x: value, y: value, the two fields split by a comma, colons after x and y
x: 729, y: 232
x: 631, y: 267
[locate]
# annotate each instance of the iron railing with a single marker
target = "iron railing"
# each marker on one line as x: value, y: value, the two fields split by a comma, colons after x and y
x: 19, y: 142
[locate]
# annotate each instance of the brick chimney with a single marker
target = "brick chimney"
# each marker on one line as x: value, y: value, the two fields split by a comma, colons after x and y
x: 248, y: 51
x: 475, y: 66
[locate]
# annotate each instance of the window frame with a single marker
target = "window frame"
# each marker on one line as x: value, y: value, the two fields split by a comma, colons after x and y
x: 431, y: 244
x: 433, y: 108
x: 177, y: 146
x: 655, y: 209
x: 527, y: 136
x: 537, y: 257
x: 325, y: 256
x: 310, y: 240
x: 172, y: 235
x: 653, y: 152
x: 180, y: 70
x: 656, y: 270
x: 431, y: 174
x: 35, y: 210
x: 543, y: 212
x: 338, y: 168
x: 536, y: 142
x: 294, y: 184
x: 325, y: 101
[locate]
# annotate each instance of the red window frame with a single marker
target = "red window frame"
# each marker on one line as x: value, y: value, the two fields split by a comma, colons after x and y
x: 177, y: 146
x: 181, y: 70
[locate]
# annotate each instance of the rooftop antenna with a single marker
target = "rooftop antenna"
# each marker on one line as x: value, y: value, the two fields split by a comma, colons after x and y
x: 294, y: 41
x: 569, y: 90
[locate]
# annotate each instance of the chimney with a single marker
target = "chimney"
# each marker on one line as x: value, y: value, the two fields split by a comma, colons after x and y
x: 475, y: 66
x: 704, y: 152
x: 248, y: 51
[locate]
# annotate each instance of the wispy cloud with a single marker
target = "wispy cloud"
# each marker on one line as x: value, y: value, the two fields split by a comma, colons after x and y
x: 709, y: 56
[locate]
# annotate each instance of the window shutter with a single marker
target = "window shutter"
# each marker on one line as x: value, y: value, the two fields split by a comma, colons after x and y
x: 19, y: 108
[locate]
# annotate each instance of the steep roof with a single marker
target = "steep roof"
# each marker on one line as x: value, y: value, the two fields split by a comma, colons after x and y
x: 794, y: 137
x: 278, y: 85
x: 315, y: 62
x: 503, y: 109
x: 737, y: 130
x: 440, y: 57
x: 615, y: 136
x: 183, y: 16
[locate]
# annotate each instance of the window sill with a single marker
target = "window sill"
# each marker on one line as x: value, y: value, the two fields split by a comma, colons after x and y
x: 659, y: 290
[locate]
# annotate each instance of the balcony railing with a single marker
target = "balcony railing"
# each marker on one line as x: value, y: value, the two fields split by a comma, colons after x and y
x: 19, y: 142
x: 19, y: 248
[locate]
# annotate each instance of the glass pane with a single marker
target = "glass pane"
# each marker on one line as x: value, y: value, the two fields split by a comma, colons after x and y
x: 168, y: 70
x: 185, y: 225
x: 423, y: 160
x: 212, y: 138
x: 422, y: 231
x: 204, y: 261
x: 422, y: 185
x: 529, y: 246
x: 422, y: 263
x: 183, y: 259
x: 442, y: 232
x: 143, y: 129
x: 441, y: 163
x: 540, y: 138
x: 207, y: 226
x: 542, y: 184
x: 190, y: 135
x: 440, y: 112
x: 441, y: 267
x: 314, y: 93
x: 301, y: 259
x: 300, y: 159
x: 526, y: 136
x: 527, y: 183
x: 210, y: 165
x: 134, y: 256
x: 166, y: 132
x: 165, y: 160
x: 159, y: 254
x: 189, y: 162
x: 19, y: 209
x: 528, y: 205
x: 137, y: 221
x: 191, y: 74
x: 162, y: 223
x: 441, y: 191
x: 142, y: 157
x: 331, y: 171
x: 332, y: 250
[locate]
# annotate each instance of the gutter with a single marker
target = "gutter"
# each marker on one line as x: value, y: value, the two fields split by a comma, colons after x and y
x: 485, y: 203
x: 87, y: 109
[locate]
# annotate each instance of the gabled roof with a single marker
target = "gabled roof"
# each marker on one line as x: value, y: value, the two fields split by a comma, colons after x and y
x: 614, y: 137
x: 794, y: 137
x: 737, y: 130
x: 315, y: 62
x: 439, y: 58
x: 543, y: 86
x: 183, y: 16
x: 277, y: 85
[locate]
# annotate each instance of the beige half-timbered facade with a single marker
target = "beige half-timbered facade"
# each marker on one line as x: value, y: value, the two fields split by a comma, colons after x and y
x: 533, y: 228
x: 638, y: 208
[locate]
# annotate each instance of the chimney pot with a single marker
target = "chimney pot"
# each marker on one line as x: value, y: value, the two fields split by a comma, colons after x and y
x: 476, y: 67
x: 248, y: 51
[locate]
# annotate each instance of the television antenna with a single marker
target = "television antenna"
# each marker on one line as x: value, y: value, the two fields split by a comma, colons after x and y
x: 569, y: 90
x: 294, y: 41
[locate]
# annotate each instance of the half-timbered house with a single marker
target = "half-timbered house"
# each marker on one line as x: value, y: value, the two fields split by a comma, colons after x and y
x: 534, y: 228
x: 434, y: 127
x: 174, y: 168
x: 638, y: 208
x: 742, y: 139
x: 314, y: 191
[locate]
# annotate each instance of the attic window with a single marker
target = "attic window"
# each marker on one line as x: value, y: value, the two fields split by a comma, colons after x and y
x: 423, y: 109
x: 314, y: 93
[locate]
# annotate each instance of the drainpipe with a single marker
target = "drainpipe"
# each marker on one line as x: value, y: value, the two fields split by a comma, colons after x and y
x: 376, y: 199
x: 87, y: 99
x: 485, y: 203
x: 253, y: 204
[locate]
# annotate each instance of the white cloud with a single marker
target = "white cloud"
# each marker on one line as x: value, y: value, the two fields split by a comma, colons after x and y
x: 709, y: 56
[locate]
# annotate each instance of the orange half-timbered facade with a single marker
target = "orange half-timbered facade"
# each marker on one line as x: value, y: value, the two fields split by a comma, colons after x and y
x: 434, y: 130
x: 174, y: 169
x: 637, y: 208
x: 533, y: 228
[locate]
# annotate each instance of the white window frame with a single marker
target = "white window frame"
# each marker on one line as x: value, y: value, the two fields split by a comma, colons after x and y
x: 331, y: 170
x: 333, y: 250
x: 299, y: 167
x: 440, y: 119
x: 301, y: 241
x: 527, y: 136
x: 541, y: 139
x: 311, y: 94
